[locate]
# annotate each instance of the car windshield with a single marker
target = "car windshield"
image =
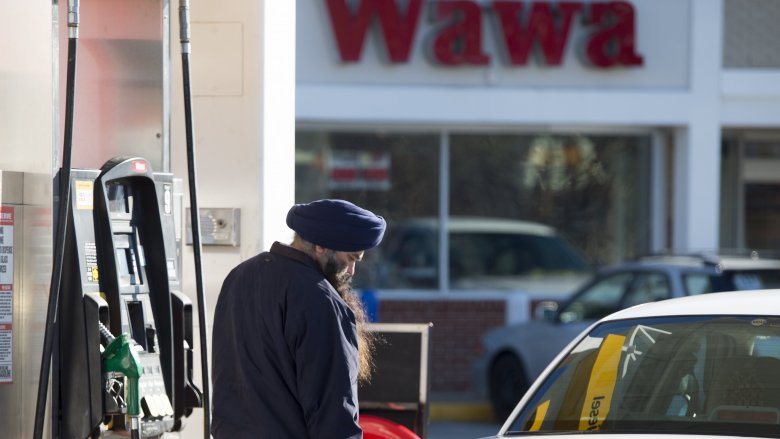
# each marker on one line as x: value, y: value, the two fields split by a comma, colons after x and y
x: 478, y: 259
x: 749, y: 280
x: 474, y: 255
x: 713, y: 374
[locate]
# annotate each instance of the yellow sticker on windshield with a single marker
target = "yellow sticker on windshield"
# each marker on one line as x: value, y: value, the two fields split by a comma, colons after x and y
x: 602, y: 383
x: 541, y: 411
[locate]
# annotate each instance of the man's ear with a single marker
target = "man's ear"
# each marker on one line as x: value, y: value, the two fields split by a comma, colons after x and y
x: 319, y: 251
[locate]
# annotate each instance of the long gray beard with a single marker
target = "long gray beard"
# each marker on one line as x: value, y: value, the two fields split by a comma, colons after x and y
x: 342, y: 283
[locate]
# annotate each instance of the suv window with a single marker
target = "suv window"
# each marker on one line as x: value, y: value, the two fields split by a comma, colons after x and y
x: 697, y: 283
x: 754, y: 279
x: 503, y: 254
x: 701, y: 283
x: 648, y: 287
x: 614, y: 292
x: 598, y: 300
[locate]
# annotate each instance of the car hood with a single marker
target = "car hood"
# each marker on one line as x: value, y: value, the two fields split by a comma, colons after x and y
x: 553, y: 285
x: 516, y: 334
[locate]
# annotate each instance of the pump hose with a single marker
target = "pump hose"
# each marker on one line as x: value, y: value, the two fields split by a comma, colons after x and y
x: 105, y: 333
x: 184, y: 33
x: 63, y: 206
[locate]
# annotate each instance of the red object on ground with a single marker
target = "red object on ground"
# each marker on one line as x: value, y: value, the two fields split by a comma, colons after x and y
x: 375, y: 427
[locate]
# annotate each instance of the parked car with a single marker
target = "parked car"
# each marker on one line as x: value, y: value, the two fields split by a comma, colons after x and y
x: 484, y: 253
x: 700, y: 365
x: 514, y: 355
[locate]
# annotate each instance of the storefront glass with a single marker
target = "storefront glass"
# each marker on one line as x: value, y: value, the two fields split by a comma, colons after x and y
x: 394, y: 175
x: 519, y: 205
x: 750, y: 184
x: 594, y: 189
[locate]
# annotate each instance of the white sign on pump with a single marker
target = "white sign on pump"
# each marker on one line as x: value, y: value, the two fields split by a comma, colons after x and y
x: 6, y: 293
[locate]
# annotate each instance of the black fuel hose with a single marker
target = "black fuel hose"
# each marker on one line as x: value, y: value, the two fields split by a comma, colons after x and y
x: 184, y: 33
x: 63, y: 206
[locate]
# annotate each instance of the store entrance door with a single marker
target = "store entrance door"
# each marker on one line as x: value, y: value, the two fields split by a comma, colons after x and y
x: 751, y: 192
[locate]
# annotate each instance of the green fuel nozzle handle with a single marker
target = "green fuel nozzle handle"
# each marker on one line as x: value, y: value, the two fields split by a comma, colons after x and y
x: 120, y: 356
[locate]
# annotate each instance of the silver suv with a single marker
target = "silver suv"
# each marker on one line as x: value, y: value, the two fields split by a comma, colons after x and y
x: 516, y: 354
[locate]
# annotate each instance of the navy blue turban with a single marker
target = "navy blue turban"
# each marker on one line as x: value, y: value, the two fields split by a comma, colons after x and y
x: 337, y: 225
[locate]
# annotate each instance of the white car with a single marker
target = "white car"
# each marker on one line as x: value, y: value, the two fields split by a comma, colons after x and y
x: 697, y: 365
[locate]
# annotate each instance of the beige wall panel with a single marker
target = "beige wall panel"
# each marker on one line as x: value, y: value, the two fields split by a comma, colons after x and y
x: 218, y: 59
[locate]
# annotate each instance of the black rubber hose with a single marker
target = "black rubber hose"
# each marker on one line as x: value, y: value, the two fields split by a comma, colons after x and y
x: 197, y: 250
x: 63, y: 207
x: 184, y: 22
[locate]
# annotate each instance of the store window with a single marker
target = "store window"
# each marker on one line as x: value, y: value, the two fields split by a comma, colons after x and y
x: 750, y: 184
x: 593, y: 190
x: 394, y: 175
x: 520, y: 206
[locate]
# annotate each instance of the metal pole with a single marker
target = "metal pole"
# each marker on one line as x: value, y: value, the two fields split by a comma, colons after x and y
x: 184, y: 33
x: 63, y: 205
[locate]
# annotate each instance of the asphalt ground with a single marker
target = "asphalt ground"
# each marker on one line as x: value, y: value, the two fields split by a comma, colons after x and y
x: 461, y: 430
x: 460, y: 417
x: 449, y: 417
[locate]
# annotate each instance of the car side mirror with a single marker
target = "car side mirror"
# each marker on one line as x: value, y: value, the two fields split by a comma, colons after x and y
x: 546, y: 310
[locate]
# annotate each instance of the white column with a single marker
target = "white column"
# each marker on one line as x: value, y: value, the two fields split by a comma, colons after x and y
x: 697, y: 146
x: 276, y: 120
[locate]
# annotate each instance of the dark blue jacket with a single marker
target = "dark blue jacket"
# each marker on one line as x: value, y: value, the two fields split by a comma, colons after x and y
x: 284, y: 358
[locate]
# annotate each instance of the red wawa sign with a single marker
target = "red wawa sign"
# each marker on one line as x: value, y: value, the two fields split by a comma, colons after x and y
x: 457, y: 31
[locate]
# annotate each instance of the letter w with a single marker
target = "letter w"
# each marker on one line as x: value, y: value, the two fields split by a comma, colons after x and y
x: 541, y: 27
x: 350, y: 28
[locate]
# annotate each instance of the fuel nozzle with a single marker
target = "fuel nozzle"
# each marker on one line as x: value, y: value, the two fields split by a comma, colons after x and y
x: 121, y: 357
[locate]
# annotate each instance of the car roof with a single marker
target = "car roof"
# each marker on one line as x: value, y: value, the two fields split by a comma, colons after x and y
x: 460, y: 224
x: 756, y: 302
x: 722, y: 261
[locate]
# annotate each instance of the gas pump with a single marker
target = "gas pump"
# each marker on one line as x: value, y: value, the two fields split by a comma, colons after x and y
x: 122, y: 304
x: 118, y: 332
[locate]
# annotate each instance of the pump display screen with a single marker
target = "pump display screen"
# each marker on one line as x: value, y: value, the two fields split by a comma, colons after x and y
x: 129, y: 252
x: 128, y: 263
x: 119, y: 198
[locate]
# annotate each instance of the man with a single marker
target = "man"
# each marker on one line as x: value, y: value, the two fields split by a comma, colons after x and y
x: 289, y: 342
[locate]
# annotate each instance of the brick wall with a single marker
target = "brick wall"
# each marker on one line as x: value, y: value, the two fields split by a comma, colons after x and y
x: 458, y: 326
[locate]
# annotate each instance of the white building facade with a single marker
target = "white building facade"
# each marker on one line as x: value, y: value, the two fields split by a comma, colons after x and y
x: 672, y: 99
x: 631, y: 127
